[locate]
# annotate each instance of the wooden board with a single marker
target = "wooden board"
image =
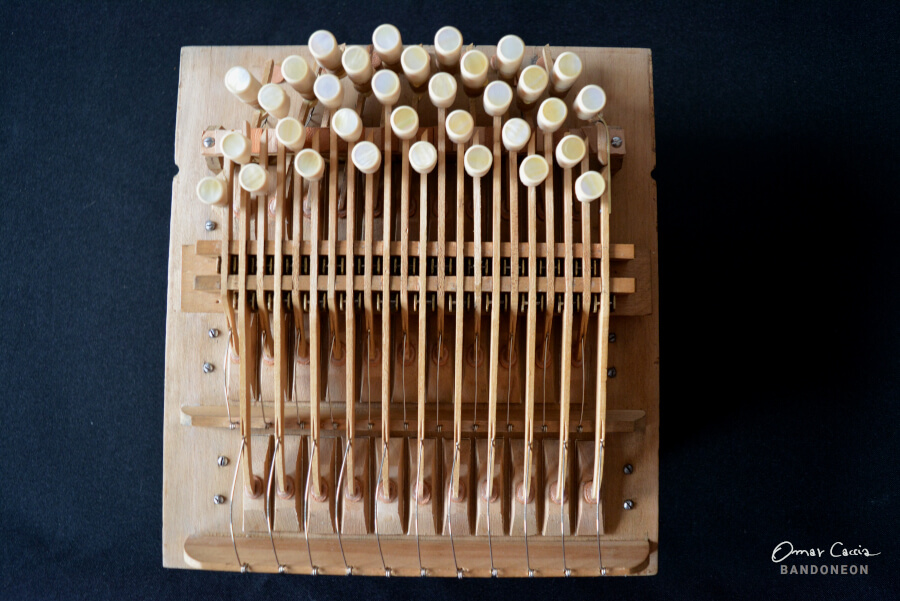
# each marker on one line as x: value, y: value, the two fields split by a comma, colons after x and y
x: 195, y: 529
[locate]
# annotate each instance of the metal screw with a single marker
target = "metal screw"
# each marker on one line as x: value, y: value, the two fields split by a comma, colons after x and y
x: 208, y: 142
x: 387, y: 572
x: 459, y: 573
x: 530, y: 573
x: 315, y: 571
x: 218, y: 499
x: 611, y: 372
x: 628, y: 505
x: 208, y: 367
x: 222, y: 461
x: 423, y: 572
x: 628, y: 468
x: 210, y: 225
x: 612, y: 336
x: 493, y: 572
x: 282, y: 569
x: 245, y: 567
x: 348, y: 571
x: 213, y: 333
x: 567, y: 572
x: 616, y: 141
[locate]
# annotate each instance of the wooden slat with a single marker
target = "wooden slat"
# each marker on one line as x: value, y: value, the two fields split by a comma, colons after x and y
x: 350, y: 314
x: 386, y: 355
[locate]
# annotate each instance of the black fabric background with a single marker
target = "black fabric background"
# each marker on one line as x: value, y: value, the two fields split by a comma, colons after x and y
x: 776, y: 130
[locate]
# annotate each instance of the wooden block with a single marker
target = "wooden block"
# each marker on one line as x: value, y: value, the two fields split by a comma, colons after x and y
x: 586, y: 511
x: 356, y: 498
x: 254, y: 507
x: 427, y: 509
x: 461, y: 509
x: 321, y: 509
x: 523, y: 505
x: 498, y: 504
x: 552, y: 505
x: 288, y: 511
x: 390, y: 505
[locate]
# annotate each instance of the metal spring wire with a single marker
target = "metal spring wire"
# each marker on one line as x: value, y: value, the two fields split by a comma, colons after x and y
x: 281, y: 568
x: 338, y: 496
x: 422, y: 571
x: 313, y: 455
x: 459, y: 572
x: 244, y: 567
x: 378, y: 483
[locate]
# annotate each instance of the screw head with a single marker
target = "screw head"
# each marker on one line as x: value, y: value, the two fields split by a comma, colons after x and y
x: 222, y: 461
x: 616, y: 141
x: 210, y: 225
x: 209, y: 142
x: 387, y: 572
x: 612, y: 336
x: 493, y: 572
x: 208, y: 367
x: 218, y: 499
x: 628, y: 468
x: 348, y: 571
x: 530, y: 573
x: 611, y: 372
x: 423, y: 572
x: 459, y: 573
x: 245, y: 568
x: 213, y: 333
x: 282, y: 569
x: 567, y: 572
x: 628, y: 504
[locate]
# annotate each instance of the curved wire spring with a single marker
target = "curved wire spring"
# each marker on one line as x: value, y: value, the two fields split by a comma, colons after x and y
x: 337, y: 496
x: 422, y: 571
x: 227, y: 363
x: 459, y: 572
x: 384, y: 449
x: 281, y: 567
x: 562, y: 512
x: 244, y: 567
x: 491, y: 484
x: 527, y: 492
x: 313, y: 455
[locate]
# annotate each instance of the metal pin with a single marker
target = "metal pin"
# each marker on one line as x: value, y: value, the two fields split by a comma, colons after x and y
x: 208, y: 142
x: 210, y: 225
x: 628, y: 505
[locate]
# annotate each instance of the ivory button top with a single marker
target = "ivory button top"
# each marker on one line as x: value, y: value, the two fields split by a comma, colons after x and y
x: 253, y: 178
x: 328, y: 90
x: 299, y: 76
x: 473, y: 69
x: 325, y: 50
x: 274, y: 101
x: 309, y: 165
x: 386, y: 86
x: 460, y: 126
x: 357, y: 64
x: 404, y: 122
x: 347, y: 124
x: 510, y: 51
x: 388, y: 44
x: 565, y: 71
x: 291, y: 133
x: 416, y: 65
x: 497, y: 98
x: 211, y: 191
x: 516, y: 133
x: 448, y: 45
x: 423, y: 156
x: 533, y: 170
x: 243, y: 85
x: 366, y: 157
x: 478, y: 160
x: 442, y: 90
x: 236, y: 147
x: 589, y: 102
x: 570, y: 151
x: 532, y: 83
x: 551, y: 115
x: 589, y: 186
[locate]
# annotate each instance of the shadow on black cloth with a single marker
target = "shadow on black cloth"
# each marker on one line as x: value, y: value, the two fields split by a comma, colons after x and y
x: 778, y: 208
